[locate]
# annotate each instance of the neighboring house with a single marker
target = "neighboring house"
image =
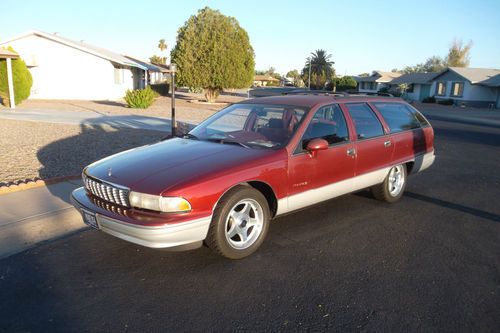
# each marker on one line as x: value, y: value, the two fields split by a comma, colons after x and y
x: 66, y: 69
x: 375, y: 82
x: 417, y: 85
x: 155, y: 73
x: 477, y: 87
x: 264, y: 80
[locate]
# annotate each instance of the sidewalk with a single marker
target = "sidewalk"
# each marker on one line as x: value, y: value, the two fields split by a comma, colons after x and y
x: 36, y: 215
x: 88, y: 118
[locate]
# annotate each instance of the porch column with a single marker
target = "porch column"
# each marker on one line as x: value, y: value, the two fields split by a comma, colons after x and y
x: 10, y: 83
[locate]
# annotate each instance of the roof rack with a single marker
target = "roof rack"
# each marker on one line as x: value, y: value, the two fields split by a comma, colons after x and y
x: 335, y: 94
x: 357, y: 93
x: 314, y: 92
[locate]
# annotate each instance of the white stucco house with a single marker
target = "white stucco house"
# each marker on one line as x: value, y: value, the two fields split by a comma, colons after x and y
x: 67, y: 69
x: 376, y: 81
x: 477, y: 87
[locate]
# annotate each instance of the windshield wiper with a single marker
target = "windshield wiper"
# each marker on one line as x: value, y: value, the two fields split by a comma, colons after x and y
x: 191, y: 136
x: 226, y: 141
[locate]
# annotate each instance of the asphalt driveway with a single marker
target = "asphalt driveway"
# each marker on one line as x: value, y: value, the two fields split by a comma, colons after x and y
x: 428, y: 263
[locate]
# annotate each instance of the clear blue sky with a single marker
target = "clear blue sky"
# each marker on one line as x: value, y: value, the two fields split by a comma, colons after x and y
x: 360, y: 35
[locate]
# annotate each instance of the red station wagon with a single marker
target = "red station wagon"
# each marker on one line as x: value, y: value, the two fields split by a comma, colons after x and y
x: 227, y: 178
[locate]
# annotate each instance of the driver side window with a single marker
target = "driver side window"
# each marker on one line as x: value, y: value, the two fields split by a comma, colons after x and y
x: 328, y: 123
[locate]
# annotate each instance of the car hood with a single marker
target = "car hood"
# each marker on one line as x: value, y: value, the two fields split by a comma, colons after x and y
x: 156, y: 168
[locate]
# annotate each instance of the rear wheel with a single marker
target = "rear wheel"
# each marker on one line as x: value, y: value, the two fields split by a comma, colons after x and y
x: 239, y: 224
x: 393, y: 187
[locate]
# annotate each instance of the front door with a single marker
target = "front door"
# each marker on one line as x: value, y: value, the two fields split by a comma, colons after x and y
x: 425, y: 91
x: 328, y: 173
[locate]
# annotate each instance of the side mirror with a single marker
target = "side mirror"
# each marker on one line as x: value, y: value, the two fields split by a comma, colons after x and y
x: 316, y: 145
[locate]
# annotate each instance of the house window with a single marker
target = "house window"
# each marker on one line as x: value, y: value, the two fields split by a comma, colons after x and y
x: 457, y: 89
x: 441, y: 88
x: 410, y: 87
x: 118, y: 75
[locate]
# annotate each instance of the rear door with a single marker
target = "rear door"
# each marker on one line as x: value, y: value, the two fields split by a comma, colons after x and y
x: 407, y: 134
x: 329, y: 173
x: 374, y: 147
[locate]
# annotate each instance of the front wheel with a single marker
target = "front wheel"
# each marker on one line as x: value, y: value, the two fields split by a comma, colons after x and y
x: 239, y: 224
x: 393, y: 187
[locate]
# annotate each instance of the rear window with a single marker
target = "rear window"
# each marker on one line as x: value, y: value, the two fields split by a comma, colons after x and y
x: 399, y: 117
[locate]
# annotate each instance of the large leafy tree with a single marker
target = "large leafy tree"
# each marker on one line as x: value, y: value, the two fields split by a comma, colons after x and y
x: 321, y: 68
x: 432, y: 64
x: 213, y: 52
x: 21, y: 78
x: 459, y: 54
x: 294, y: 74
x: 345, y: 83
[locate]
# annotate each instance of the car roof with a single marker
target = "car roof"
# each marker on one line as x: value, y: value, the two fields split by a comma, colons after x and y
x: 311, y: 100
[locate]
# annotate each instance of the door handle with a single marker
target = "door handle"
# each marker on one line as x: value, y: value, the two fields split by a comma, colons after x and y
x: 351, y: 152
x: 387, y: 143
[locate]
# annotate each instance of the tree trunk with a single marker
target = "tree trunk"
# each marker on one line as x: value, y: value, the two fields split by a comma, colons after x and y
x: 211, y: 94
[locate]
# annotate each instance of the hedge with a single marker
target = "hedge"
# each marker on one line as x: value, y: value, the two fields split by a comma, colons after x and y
x: 21, y: 78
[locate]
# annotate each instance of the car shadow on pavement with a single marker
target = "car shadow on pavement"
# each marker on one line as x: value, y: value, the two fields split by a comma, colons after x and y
x: 68, y: 156
x: 466, y: 136
x: 454, y: 206
x: 471, y: 121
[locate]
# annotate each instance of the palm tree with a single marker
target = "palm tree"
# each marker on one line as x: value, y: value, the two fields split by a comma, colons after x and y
x: 162, y: 45
x: 321, y: 65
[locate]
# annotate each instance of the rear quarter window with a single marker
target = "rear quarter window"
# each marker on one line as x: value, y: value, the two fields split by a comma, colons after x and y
x: 399, y: 117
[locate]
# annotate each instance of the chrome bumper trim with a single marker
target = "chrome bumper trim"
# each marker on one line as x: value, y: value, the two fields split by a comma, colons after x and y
x: 156, y: 237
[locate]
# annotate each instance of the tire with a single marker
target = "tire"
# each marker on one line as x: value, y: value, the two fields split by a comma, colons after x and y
x: 240, y: 223
x: 393, y: 187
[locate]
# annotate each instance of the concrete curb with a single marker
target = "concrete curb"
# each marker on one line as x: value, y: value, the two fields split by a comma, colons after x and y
x: 21, y: 235
x: 34, y: 184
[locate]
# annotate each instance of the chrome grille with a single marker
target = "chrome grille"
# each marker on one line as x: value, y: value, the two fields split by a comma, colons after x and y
x: 107, y: 191
x: 108, y: 206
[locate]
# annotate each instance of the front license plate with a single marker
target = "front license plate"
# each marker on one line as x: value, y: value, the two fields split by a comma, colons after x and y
x: 90, y: 219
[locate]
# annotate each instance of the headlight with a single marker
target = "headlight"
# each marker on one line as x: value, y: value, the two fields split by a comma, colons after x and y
x: 159, y: 203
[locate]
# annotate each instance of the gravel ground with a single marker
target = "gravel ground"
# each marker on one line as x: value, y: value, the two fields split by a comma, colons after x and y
x: 29, y: 149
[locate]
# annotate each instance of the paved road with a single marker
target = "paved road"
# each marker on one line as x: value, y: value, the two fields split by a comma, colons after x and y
x: 88, y: 118
x: 428, y: 263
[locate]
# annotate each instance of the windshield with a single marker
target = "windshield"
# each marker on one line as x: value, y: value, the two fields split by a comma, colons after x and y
x: 251, y: 125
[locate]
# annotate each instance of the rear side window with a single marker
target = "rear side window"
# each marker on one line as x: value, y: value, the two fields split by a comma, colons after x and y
x: 365, y: 121
x: 398, y: 116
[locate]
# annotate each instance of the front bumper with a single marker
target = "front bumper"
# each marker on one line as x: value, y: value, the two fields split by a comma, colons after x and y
x: 162, y: 236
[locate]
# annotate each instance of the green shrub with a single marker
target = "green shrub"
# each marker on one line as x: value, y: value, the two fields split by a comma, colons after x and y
x: 140, y: 98
x: 430, y: 99
x: 22, y: 80
x: 448, y: 101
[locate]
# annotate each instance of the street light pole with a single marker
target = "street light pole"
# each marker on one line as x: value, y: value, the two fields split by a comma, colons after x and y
x: 173, y: 68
